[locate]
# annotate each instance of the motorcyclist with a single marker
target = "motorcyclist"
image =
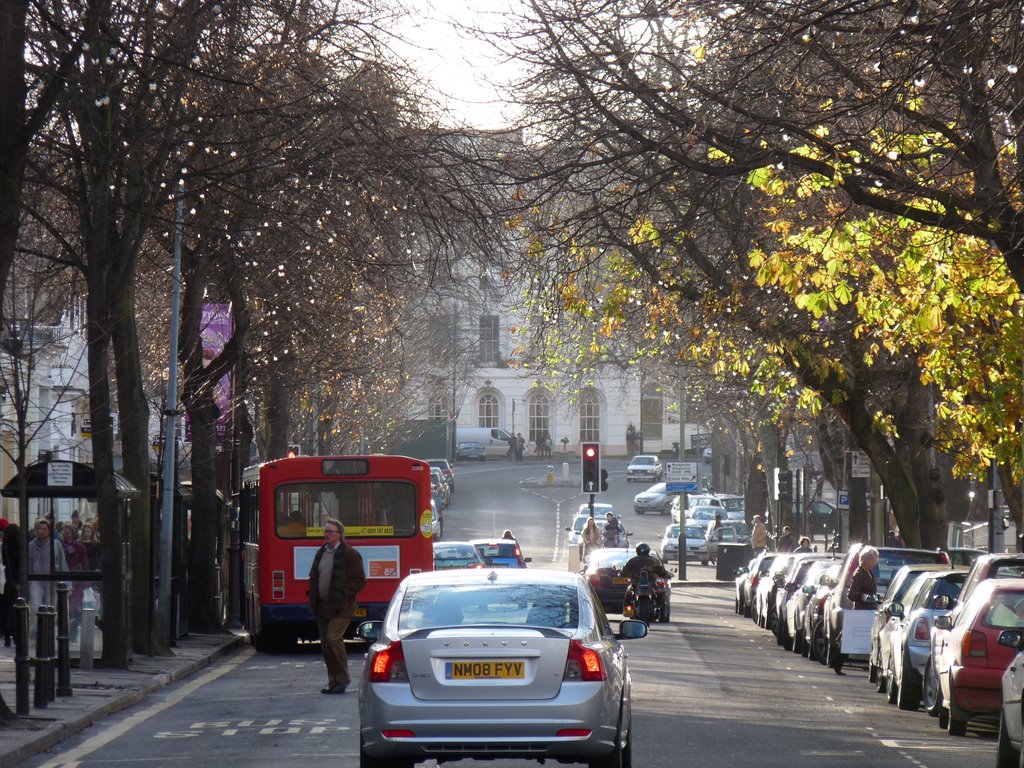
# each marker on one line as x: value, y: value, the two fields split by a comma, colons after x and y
x: 643, y: 561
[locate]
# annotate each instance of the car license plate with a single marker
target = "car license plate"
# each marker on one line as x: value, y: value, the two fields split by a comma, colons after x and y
x: 484, y: 670
x: 620, y: 580
x: 360, y: 612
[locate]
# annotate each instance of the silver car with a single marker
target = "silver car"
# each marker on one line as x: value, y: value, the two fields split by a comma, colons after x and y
x: 644, y: 467
x: 656, y: 499
x: 493, y: 664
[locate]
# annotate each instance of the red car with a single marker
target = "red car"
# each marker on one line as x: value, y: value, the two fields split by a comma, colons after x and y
x: 970, y: 659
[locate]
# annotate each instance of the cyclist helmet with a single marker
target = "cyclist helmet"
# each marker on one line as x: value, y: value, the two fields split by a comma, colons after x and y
x: 643, y: 549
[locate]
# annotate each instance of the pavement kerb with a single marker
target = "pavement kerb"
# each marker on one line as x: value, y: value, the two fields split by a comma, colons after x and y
x: 53, y: 734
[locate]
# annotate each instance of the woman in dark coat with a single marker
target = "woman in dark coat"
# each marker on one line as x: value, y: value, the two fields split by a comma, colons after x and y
x: 11, y: 548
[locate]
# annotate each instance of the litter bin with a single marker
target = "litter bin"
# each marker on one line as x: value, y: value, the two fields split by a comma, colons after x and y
x: 730, y: 557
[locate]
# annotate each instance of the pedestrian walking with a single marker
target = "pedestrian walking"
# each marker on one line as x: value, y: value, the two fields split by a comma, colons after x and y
x: 45, y: 557
x: 787, y: 542
x: 335, y: 579
x: 862, y: 593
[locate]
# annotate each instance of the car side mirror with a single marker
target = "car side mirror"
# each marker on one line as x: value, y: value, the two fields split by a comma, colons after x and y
x: 895, y: 610
x: 1011, y: 638
x: 943, y: 622
x: 943, y: 603
x: 369, y: 631
x: 631, y: 629
x: 527, y: 559
x: 742, y: 571
x: 808, y: 589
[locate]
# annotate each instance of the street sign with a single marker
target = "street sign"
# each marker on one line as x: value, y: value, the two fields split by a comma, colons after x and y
x: 842, y: 499
x: 859, y: 464
x: 681, y: 476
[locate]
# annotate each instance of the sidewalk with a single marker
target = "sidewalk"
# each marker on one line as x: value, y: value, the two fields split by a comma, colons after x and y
x: 99, y: 692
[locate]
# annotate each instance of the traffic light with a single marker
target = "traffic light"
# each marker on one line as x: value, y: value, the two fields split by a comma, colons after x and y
x: 590, y: 466
x: 604, y: 479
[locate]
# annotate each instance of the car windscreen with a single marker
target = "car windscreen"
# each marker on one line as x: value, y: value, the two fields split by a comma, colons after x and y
x: 693, y: 532
x: 512, y: 604
x: 642, y: 461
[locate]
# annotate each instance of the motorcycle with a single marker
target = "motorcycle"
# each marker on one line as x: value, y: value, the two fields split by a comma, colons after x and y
x: 647, y: 599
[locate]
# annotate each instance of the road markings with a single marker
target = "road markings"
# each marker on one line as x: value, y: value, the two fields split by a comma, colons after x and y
x: 70, y: 758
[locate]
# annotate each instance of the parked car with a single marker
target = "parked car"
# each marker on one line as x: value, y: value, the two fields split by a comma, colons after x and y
x: 998, y: 565
x: 501, y: 553
x: 695, y: 543
x: 644, y: 467
x: 809, y: 580
x: 703, y: 516
x: 655, y: 499
x: 814, y: 613
x: 748, y: 580
x: 731, y: 502
x: 547, y: 661
x: 703, y: 500
x: 787, y: 591
x: 931, y: 595
x: 890, y: 560
x: 439, y: 484
x: 729, y: 533
x: 456, y: 554
x: 980, y: 645
x: 470, y: 450
x: 603, y: 574
x: 963, y: 556
x: 764, y: 595
x: 446, y: 471
x: 1011, y: 714
x: 884, y: 623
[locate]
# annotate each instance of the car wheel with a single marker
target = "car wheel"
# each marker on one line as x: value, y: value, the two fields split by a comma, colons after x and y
x: 666, y: 510
x: 1006, y: 755
x: 805, y: 647
x: 943, y: 718
x: 893, y: 689
x: 819, y: 644
x: 872, y: 671
x: 957, y: 727
x: 909, y: 696
x: 622, y: 754
x: 639, y: 511
x: 881, y: 683
x: 930, y: 690
x: 747, y: 610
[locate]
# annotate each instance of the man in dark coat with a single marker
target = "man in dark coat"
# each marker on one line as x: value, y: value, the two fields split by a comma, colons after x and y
x: 335, y: 579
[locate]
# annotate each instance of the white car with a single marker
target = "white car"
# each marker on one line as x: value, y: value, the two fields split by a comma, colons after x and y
x: 493, y: 664
x: 644, y: 466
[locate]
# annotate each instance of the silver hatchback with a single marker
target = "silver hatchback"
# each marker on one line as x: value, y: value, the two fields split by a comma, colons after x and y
x: 495, y: 663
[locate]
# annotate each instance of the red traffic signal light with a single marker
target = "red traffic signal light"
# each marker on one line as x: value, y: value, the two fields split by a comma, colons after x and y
x: 590, y: 468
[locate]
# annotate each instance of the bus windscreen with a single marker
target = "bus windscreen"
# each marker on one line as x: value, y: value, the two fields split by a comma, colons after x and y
x: 370, y: 508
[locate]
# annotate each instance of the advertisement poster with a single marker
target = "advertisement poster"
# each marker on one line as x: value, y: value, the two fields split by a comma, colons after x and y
x: 216, y: 329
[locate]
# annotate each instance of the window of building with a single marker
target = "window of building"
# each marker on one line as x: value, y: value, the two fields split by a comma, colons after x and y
x: 487, y: 411
x: 590, y: 417
x: 652, y: 409
x: 489, y: 338
x: 436, y: 408
x: 540, y: 416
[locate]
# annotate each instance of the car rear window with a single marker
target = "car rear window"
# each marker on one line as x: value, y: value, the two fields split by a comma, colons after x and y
x: 1005, y: 611
x: 518, y: 604
x: 891, y: 561
x: 1007, y: 571
x: 497, y: 550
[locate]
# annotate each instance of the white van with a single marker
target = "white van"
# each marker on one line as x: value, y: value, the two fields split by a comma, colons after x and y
x: 493, y: 439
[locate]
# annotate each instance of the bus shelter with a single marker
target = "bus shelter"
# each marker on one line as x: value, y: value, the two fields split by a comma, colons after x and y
x: 64, y: 494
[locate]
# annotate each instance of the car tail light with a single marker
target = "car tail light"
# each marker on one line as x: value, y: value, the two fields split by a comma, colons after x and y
x: 583, y: 663
x: 922, y: 629
x: 659, y: 583
x: 595, y: 579
x: 277, y: 585
x: 945, y: 557
x: 398, y: 734
x: 973, y: 646
x: 754, y: 580
x: 388, y: 665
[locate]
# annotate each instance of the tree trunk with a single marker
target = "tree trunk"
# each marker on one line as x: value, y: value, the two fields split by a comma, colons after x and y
x: 116, y: 578
x: 278, y: 411
x: 134, y: 411
x: 204, y: 614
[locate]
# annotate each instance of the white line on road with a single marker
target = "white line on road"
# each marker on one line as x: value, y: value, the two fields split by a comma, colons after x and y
x: 70, y: 759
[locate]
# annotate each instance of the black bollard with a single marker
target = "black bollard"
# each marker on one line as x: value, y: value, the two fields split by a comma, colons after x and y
x: 682, y: 553
x: 22, y: 658
x: 39, y: 697
x: 63, y: 639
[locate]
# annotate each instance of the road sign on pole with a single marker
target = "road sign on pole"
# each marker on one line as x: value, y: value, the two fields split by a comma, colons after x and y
x: 681, y: 476
x: 843, y: 499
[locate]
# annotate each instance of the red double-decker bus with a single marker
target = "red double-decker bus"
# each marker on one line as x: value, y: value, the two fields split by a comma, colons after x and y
x: 384, y: 503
